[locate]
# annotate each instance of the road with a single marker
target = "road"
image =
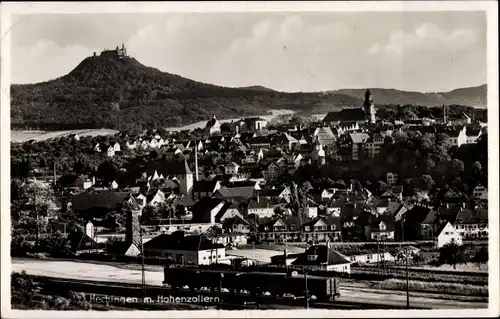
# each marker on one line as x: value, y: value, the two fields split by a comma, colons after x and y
x: 96, y: 272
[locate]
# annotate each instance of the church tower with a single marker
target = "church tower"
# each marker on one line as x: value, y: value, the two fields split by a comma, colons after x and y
x: 369, y: 107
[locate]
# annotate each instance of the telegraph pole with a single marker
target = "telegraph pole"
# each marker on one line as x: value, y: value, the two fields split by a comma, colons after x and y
x: 407, y: 274
x: 142, y: 268
x: 407, y: 281
x: 307, y: 291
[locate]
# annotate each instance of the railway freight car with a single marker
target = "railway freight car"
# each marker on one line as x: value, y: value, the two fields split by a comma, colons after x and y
x: 252, y: 283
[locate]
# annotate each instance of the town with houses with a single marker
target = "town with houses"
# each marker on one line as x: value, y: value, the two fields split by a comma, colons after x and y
x: 283, y: 194
x: 308, y: 162
x: 243, y: 194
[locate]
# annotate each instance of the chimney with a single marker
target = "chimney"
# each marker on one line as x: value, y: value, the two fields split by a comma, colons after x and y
x: 196, y: 159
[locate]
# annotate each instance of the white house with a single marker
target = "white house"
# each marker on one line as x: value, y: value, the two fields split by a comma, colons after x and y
x: 185, y: 249
x: 260, y: 207
x: 131, y: 145
x: 97, y: 148
x: 480, y: 192
x: 231, y: 168
x: 110, y: 151
x: 448, y: 234
x: 457, y: 137
x: 117, y: 147
x: 157, y: 198
x: 113, y: 185
x: 311, y: 212
x: 326, y: 194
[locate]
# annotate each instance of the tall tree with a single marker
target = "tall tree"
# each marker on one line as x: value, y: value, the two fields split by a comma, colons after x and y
x: 31, y: 212
x: 452, y: 254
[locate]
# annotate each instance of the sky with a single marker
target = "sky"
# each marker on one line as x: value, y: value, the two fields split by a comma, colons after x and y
x: 289, y: 51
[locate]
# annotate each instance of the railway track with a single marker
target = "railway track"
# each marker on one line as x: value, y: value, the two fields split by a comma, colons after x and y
x: 224, y: 301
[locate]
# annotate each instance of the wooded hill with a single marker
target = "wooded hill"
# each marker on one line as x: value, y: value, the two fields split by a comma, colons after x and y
x: 108, y: 92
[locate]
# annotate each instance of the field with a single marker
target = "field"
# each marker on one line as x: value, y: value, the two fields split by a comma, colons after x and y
x: 275, y: 113
x: 23, y: 136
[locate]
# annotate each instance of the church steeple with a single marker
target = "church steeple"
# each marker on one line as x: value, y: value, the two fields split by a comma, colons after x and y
x: 369, y: 106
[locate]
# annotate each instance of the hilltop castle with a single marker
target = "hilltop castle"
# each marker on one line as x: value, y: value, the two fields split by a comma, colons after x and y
x: 117, y: 53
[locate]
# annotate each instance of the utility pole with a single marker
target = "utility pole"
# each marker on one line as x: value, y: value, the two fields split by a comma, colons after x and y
x: 378, y: 256
x: 383, y: 256
x: 307, y: 291
x: 220, y: 285
x: 406, y: 257
x: 407, y: 281
x: 142, y: 268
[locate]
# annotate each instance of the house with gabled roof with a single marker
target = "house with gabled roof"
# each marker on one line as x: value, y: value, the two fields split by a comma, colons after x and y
x: 350, y: 213
x: 131, y: 144
x: 346, y: 116
x: 205, y: 188
x: 272, y: 171
x: 322, y: 257
x: 185, y: 249
x: 373, y: 144
x: 473, y: 134
x: 380, y: 227
x: 235, y: 193
x: 155, y: 199
x: 324, y: 135
x: 116, y: 146
x: 207, y: 209
x: 236, y: 224
x: 356, y: 142
x: 472, y: 224
x: 261, y: 207
x: 229, y: 210
x: 457, y: 135
x: 447, y: 234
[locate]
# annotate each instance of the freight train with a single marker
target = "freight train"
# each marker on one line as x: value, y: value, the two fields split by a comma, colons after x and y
x: 254, y: 284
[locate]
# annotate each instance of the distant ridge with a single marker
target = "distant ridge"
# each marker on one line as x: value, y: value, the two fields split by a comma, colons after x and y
x: 470, y: 96
x: 257, y: 88
x: 106, y: 91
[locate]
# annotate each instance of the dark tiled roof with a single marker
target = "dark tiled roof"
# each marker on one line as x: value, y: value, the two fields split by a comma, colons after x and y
x: 418, y: 214
x: 109, y: 200
x: 236, y: 220
x: 262, y: 203
x: 177, y: 241
x: 169, y: 167
x: 346, y: 115
x: 236, y: 192
x: 467, y: 216
x: 201, y: 210
x: 204, y: 186
x: 324, y: 255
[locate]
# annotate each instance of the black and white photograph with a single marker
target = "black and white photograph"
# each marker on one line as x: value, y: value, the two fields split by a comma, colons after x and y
x: 279, y: 159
